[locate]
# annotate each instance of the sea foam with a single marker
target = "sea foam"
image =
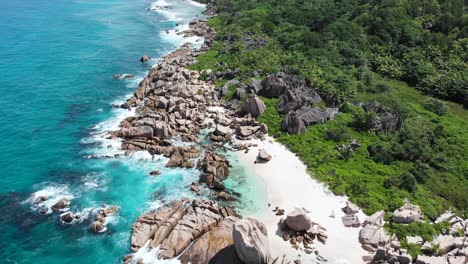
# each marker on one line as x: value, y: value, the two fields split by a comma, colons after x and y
x: 53, y: 193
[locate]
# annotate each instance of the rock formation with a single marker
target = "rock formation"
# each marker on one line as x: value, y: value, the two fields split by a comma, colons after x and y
x: 407, y: 213
x: 254, y: 106
x: 251, y: 241
x: 174, y: 227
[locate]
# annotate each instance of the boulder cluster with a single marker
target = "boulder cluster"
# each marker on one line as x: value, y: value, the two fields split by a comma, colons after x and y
x: 59, y: 206
x: 200, y: 231
x: 350, y: 218
x: 300, y: 231
x: 99, y: 222
x: 448, y: 248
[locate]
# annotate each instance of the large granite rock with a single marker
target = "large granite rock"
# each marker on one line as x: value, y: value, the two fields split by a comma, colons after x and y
x: 298, y: 220
x: 147, y: 224
x: 295, y: 99
x: 215, y: 246
x: 263, y: 156
x: 142, y: 131
x: 254, y: 85
x: 274, y: 85
x: 215, y: 169
x: 407, y: 213
x: 293, y: 123
x: 445, y: 244
x: 432, y: 260
x: 350, y: 208
x: 314, y: 115
x: 373, y: 235
x: 174, y: 227
x: 161, y: 130
x: 351, y: 221
x: 296, y: 122
x: 376, y: 218
x: 254, y: 106
x: 251, y: 241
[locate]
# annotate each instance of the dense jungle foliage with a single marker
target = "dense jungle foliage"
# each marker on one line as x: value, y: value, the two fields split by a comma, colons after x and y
x: 409, y: 55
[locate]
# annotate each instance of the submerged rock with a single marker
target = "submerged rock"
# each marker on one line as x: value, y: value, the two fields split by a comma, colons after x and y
x: 145, y: 58
x: 97, y: 227
x: 62, y: 204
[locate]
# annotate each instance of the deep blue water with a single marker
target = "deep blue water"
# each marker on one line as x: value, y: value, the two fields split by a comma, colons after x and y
x: 57, y: 59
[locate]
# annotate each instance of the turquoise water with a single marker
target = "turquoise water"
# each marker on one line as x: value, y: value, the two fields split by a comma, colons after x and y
x: 57, y: 59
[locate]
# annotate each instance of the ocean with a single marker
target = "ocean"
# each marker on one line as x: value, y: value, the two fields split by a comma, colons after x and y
x: 57, y: 60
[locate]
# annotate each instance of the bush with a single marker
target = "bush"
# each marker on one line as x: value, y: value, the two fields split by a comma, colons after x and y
x: 383, y: 87
x: 425, y: 230
x: 404, y: 181
x: 337, y: 134
x: 421, y: 172
x: 436, y: 106
x: 364, y: 121
x: 381, y: 152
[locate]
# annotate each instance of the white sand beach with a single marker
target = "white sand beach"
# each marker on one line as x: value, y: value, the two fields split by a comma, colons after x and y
x: 290, y: 186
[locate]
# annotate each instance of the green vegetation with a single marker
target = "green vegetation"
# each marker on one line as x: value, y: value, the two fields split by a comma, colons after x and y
x: 424, y: 230
x: 396, y: 52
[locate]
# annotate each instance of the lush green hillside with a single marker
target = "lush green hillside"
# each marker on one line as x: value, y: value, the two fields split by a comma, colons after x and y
x: 361, y: 51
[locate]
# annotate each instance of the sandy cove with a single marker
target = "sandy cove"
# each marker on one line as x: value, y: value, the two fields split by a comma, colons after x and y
x: 290, y: 186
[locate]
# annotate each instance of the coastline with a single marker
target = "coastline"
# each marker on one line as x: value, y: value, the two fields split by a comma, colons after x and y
x: 289, y: 186
x: 188, y: 152
x: 298, y: 190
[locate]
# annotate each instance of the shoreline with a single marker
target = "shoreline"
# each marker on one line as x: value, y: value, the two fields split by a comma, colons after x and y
x: 289, y: 186
x: 298, y: 191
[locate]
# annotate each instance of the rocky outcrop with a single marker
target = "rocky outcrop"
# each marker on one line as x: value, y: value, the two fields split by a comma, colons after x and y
x: 145, y: 58
x: 99, y: 223
x: 449, y: 248
x: 97, y: 227
x: 293, y: 123
x: 298, y: 220
x: 174, y: 227
x: 295, y: 99
x: 351, y: 221
x: 274, y: 85
x: 444, y: 244
x: 215, y: 246
x: 60, y: 205
x: 215, y: 169
x: 387, y: 120
x: 350, y: 208
x: 441, y: 260
x: 407, y: 213
x: 304, y: 238
x: 296, y: 122
x: 315, y: 115
x: 376, y: 219
x: 254, y: 106
x: 263, y: 156
x: 136, y: 132
x: 373, y: 235
x: 251, y: 241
